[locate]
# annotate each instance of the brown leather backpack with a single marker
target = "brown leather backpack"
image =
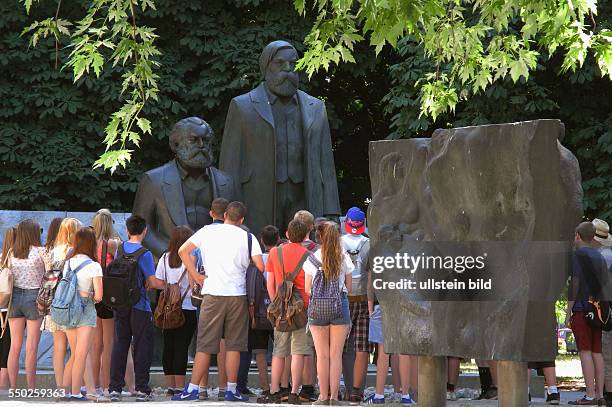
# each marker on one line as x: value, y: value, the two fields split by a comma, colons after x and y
x: 169, y: 311
x: 287, y: 312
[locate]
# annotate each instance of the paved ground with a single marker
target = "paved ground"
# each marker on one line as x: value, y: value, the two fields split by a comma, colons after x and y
x: 565, y: 397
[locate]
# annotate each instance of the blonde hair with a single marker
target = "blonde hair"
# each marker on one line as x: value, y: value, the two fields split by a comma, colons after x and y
x: 306, y: 217
x: 331, y: 250
x: 103, y: 225
x: 67, y: 232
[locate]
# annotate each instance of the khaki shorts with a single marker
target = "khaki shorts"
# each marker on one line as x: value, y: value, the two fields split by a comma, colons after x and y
x: 223, y: 317
x: 297, y: 342
x: 606, y: 339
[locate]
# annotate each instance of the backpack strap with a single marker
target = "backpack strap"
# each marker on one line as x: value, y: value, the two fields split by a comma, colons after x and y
x: 104, y: 254
x: 363, y: 242
x: 164, y: 258
x: 297, y: 268
x: 250, y: 244
x: 83, y: 264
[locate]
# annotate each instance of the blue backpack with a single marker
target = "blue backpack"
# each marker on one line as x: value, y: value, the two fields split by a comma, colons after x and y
x: 67, y: 308
x: 325, y: 300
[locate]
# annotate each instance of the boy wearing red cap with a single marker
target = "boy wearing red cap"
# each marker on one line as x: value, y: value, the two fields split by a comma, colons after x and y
x: 358, y: 247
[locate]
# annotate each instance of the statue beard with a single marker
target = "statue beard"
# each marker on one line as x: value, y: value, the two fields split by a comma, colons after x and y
x: 283, y: 84
x: 195, y: 158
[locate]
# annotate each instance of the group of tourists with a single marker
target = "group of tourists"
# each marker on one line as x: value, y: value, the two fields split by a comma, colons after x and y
x: 306, y: 296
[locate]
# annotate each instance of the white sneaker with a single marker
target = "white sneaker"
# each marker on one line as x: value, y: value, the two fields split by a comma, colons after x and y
x: 126, y: 393
x: 451, y: 396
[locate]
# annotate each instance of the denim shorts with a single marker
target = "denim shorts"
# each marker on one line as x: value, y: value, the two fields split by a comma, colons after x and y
x: 376, y: 326
x: 23, y: 304
x: 344, y: 320
x: 88, y: 318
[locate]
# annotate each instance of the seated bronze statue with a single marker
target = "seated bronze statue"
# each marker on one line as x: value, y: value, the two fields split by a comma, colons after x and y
x: 180, y: 192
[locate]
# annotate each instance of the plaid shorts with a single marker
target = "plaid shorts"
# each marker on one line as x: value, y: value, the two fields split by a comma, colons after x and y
x: 360, y: 318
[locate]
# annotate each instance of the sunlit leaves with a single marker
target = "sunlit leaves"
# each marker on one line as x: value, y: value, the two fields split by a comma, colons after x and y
x: 478, y: 39
x: 109, y: 25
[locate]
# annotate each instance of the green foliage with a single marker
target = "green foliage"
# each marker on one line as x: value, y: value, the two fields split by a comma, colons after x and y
x: 479, y: 42
x: 54, y: 127
x: 581, y: 100
x: 110, y: 25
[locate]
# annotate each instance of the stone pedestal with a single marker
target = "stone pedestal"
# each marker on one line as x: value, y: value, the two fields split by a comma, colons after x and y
x: 512, y: 384
x: 432, y: 381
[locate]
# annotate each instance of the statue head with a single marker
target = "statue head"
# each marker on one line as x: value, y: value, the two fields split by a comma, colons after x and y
x: 277, y: 64
x: 191, y: 142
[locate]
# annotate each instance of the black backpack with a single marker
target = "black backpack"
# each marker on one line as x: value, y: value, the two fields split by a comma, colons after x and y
x: 120, y: 283
x: 257, y: 296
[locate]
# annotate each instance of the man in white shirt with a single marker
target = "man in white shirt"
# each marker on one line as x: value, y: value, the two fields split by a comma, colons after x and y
x: 224, y: 309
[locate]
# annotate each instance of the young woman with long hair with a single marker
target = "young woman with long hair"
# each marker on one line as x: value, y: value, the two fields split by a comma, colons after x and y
x: 52, y: 233
x: 176, y: 341
x: 107, y: 242
x: 329, y: 334
x: 5, y: 341
x: 89, y: 285
x: 28, y: 267
x: 62, y: 245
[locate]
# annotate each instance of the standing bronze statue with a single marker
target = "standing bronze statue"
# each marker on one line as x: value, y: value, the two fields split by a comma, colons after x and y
x: 277, y: 146
x: 180, y: 192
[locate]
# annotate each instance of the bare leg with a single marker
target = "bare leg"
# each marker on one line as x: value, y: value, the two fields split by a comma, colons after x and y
x: 32, y: 341
x: 262, y: 367
x: 308, y: 370
x: 232, y: 362
x: 414, y: 373
x: 404, y: 369
x: 60, y: 344
x: 598, y: 363
x: 382, y: 368
x: 82, y: 337
x: 588, y: 371
x: 284, y: 382
x: 297, y: 367
x: 67, y: 381
x: 17, y: 326
x: 108, y: 328
x: 397, y: 383
x: 320, y: 336
x: 222, y: 364
x: 360, y: 369
x: 4, y: 379
x: 493, y: 369
x: 337, y: 336
x: 453, y: 370
x: 88, y: 376
x: 97, y: 348
x: 199, y: 373
x: 278, y: 366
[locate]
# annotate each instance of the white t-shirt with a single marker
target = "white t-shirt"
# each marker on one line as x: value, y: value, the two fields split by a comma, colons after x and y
x: 85, y: 275
x: 172, y: 276
x: 347, y: 268
x: 225, y: 254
